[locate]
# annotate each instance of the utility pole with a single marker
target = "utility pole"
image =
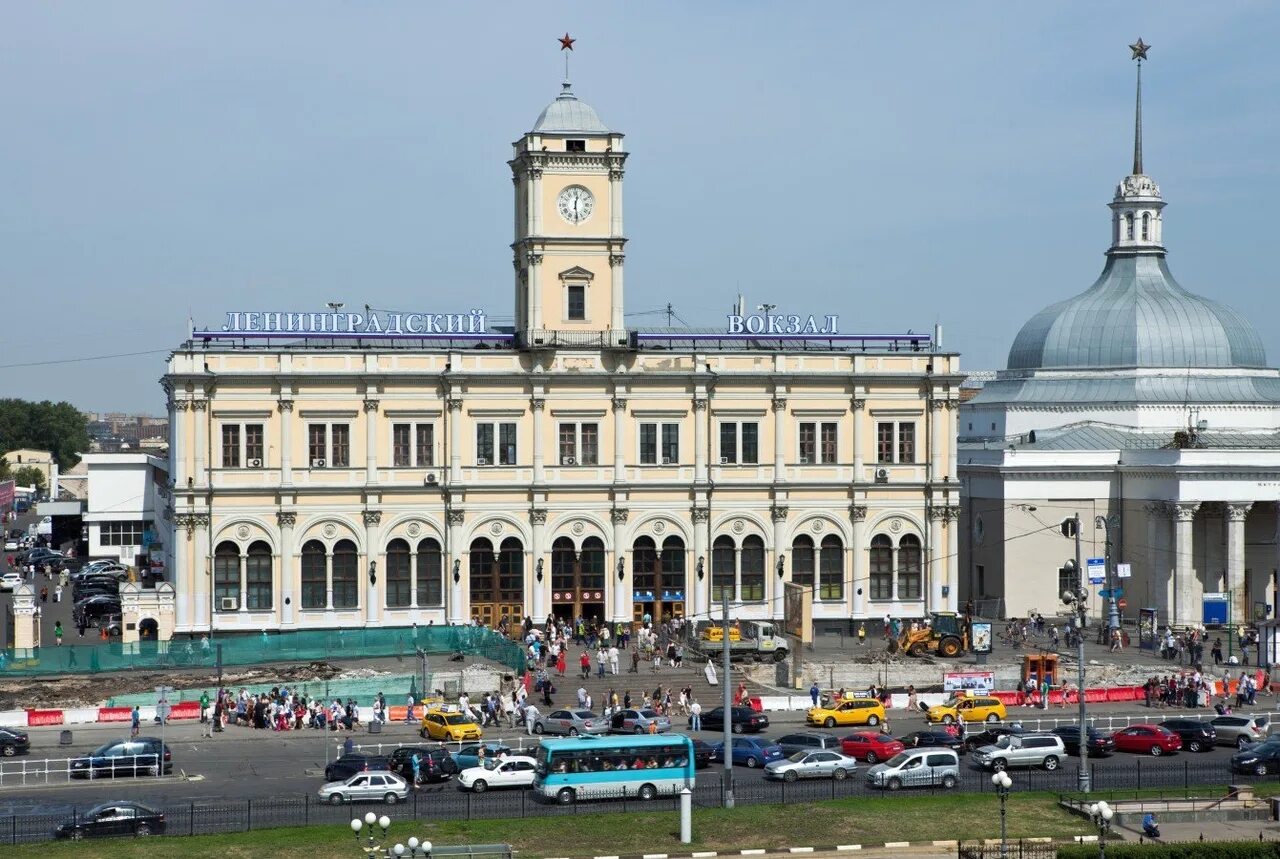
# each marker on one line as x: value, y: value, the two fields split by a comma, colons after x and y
x: 1106, y: 523
x: 728, y: 698
x: 1083, y: 781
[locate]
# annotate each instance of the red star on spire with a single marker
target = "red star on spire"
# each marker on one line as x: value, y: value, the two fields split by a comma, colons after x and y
x: 566, y: 44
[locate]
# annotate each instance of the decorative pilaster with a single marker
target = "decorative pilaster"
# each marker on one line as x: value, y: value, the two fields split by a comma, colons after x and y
x: 290, y: 579
x: 286, y: 441
x: 455, y: 440
x: 779, y: 435
x: 858, y: 560
x: 538, y: 406
x: 458, y: 609
x: 199, y: 525
x: 1186, y: 583
x: 773, y: 586
x: 373, y: 555
x: 619, y: 433
x: 858, y: 406
x: 935, y: 563
x: 619, y: 576
x: 183, y: 575
x: 538, y: 525
x: 1236, y: 512
x: 700, y: 418
x: 937, y: 420
x: 371, y: 441
x: 201, y: 408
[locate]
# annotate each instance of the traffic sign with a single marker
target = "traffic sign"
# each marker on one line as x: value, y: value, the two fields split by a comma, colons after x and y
x: 1122, y: 604
x: 1124, y: 571
x: 1097, y: 568
x: 1108, y: 593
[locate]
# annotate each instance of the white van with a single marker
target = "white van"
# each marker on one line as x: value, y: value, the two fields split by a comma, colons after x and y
x: 927, y: 767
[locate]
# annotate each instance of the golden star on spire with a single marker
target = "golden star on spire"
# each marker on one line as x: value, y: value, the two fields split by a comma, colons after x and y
x: 1139, y: 49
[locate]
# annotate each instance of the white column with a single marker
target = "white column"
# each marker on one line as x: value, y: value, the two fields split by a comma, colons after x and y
x: 538, y: 523
x: 952, y: 563
x: 289, y: 572
x: 539, y: 406
x: 937, y: 420
x: 370, y: 441
x: 201, y: 417
x: 701, y: 415
x: 933, y: 560
x: 286, y: 442
x: 183, y: 575
x: 1236, y: 513
x: 619, y: 436
x: 535, y: 201
x: 615, y: 202
x: 951, y: 420
x: 457, y: 611
x: 373, y: 554
x: 1184, y: 572
x: 328, y: 581
x: 617, y: 296
x: 621, y: 587
x: 179, y: 416
x: 773, y: 588
x: 698, y: 588
x: 455, y: 440
x: 858, y: 560
x: 535, y: 291
x: 859, y: 408
x: 779, y: 437
x: 243, y: 600
x: 200, y: 569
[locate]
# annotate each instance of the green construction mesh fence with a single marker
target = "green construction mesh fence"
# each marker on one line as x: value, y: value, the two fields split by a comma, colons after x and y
x: 305, y: 646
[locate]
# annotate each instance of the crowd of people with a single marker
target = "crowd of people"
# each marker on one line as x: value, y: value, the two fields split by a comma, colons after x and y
x: 280, y: 709
x: 1194, y: 689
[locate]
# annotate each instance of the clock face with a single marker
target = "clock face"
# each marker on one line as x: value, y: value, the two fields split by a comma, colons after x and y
x: 575, y: 204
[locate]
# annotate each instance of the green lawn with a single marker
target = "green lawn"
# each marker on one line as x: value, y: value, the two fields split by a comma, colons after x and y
x: 852, y: 821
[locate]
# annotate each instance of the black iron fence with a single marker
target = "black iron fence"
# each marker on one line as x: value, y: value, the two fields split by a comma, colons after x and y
x: 1172, y: 778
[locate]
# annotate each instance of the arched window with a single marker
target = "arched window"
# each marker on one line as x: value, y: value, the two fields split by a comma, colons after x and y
x: 909, y: 567
x: 563, y: 556
x: 672, y: 564
x: 511, y: 571
x: 226, y: 577
x: 881, y: 567
x: 644, y: 564
x: 430, y: 573
x: 314, y: 585
x: 346, y: 577
x: 258, y: 578
x: 802, y: 560
x: 1146, y: 226
x: 831, y: 569
x: 722, y: 568
x: 481, y: 566
x: 752, y: 569
x: 592, y: 562
x: 1128, y: 226
x: 399, y: 574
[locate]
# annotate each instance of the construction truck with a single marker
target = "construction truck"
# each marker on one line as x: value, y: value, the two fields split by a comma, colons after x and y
x: 945, y: 635
x: 754, y: 639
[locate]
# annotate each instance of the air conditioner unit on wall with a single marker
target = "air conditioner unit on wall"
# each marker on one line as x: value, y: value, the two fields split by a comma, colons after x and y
x: 431, y: 479
x: 568, y: 460
x: 804, y: 460
x: 480, y: 460
x: 255, y: 463
x: 724, y: 460
x: 317, y: 463
x: 882, y: 475
x: 230, y: 603
x: 666, y: 460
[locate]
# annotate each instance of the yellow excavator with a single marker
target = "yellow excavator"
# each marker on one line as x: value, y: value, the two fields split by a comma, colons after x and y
x: 946, y: 635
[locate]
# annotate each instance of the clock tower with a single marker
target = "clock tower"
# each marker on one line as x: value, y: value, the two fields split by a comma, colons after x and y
x: 568, y: 248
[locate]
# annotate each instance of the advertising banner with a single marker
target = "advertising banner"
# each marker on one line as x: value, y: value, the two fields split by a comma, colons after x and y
x: 980, y: 633
x: 6, y: 493
x: 968, y: 681
x: 1147, y: 629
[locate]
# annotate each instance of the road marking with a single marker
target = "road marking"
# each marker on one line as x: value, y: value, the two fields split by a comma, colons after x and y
x: 756, y: 852
x: 848, y: 846
x: 897, y: 844
x: 800, y: 849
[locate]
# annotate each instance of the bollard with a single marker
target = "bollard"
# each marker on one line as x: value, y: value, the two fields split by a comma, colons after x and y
x: 686, y: 815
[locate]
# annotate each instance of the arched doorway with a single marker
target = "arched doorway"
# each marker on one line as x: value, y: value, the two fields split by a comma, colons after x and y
x: 577, y: 580
x: 148, y: 631
x: 497, y: 581
x: 657, y: 579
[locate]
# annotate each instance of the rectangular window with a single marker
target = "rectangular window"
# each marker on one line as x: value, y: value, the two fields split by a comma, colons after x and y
x: 231, y: 446
x: 577, y: 303
x: 827, y: 443
x: 648, y: 444
x: 254, y: 448
x: 728, y: 443
x: 739, y: 443
x: 122, y: 533
x: 670, y: 444
x: 425, y: 441
x: 568, y: 444
x: 579, y: 444
x: 884, y: 442
x: 589, y: 453
x: 808, y: 443
x: 651, y: 453
x: 906, y: 442
x: 507, y: 444
x: 317, y: 444
x: 575, y: 146
x: 340, y: 436
x: 484, y: 444
x: 750, y: 444
x: 401, y: 451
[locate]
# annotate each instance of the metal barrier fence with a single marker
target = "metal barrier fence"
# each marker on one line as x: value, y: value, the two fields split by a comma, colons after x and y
x: 302, y: 646
x: 28, y: 772
x: 1114, y: 722
x: 1175, y: 779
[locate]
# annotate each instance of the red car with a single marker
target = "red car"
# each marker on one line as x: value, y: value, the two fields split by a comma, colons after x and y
x: 1147, y: 740
x: 870, y: 747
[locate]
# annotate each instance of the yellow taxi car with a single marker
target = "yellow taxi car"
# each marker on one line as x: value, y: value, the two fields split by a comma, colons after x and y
x: 970, y: 708
x: 448, y: 726
x: 849, y: 711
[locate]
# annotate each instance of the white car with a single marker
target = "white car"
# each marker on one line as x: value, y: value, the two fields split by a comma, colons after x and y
x: 370, y: 786
x: 510, y: 771
x: 11, y: 545
x: 10, y: 581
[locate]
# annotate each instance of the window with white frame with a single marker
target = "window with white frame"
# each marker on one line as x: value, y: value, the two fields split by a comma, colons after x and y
x: 121, y: 533
x: 329, y: 445
x: 413, y: 445
x: 896, y: 441
x: 659, y: 443
x: 576, y: 302
x: 579, y: 443
x: 495, y: 444
x: 242, y: 446
x: 739, y: 442
x: 818, y: 442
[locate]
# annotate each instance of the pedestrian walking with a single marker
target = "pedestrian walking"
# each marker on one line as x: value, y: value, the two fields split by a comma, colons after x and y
x: 695, y: 716
x: 57, y: 633
x: 135, y: 720
x: 862, y: 634
x: 408, y: 710
x: 814, y: 691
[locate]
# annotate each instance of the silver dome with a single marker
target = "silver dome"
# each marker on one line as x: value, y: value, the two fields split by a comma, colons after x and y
x: 568, y: 115
x: 1136, y: 315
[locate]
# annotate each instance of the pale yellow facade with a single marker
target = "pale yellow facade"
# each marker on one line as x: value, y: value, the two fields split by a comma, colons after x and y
x: 565, y: 468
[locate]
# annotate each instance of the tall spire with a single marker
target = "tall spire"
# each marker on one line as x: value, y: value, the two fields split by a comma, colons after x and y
x: 1139, y: 49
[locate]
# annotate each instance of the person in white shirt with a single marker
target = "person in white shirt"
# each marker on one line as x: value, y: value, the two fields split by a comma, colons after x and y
x: 613, y: 659
x: 531, y: 715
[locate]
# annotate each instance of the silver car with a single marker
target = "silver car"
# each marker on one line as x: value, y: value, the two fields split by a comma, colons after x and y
x: 1240, y: 731
x: 917, y: 768
x: 638, y: 722
x: 370, y: 786
x: 823, y: 764
x: 571, y: 723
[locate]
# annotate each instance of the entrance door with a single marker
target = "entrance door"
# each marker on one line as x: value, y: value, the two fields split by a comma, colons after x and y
x: 577, y: 580
x: 658, y: 579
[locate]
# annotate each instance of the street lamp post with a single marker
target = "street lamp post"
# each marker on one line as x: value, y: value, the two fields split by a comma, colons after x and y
x: 1107, y: 524
x: 378, y: 846
x: 1102, y: 813
x: 1002, y: 782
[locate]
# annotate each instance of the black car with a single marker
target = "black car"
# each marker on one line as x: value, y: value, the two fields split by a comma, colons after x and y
x: 809, y: 741
x: 702, y: 753
x: 1100, y: 744
x: 96, y: 607
x: 113, y: 818
x: 442, y: 768
x: 348, y: 765
x: 1196, y: 736
x: 990, y: 736
x: 12, y: 742
x: 1258, y: 759
x: 138, y: 756
x: 86, y: 591
x: 932, y: 740
x: 743, y: 720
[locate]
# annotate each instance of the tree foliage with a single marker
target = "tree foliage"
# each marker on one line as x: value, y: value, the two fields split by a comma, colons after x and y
x: 57, y: 427
x: 29, y: 475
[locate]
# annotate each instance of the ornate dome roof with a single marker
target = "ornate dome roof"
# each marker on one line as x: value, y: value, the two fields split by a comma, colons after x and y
x: 568, y: 115
x: 1136, y: 315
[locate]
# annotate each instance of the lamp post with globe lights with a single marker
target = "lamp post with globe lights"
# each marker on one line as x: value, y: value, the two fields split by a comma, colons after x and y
x: 1102, y: 813
x: 376, y: 846
x: 1002, y: 782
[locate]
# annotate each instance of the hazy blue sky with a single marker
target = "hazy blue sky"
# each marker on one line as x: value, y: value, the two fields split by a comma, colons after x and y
x: 947, y: 164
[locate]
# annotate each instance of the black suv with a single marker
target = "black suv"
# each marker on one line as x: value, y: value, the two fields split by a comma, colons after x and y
x: 743, y: 720
x: 12, y: 742
x: 139, y: 756
x: 442, y: 768
x: 990, y: 736
x: 1100, y: 744
x: 1196, y: 736
x: 348, y: 765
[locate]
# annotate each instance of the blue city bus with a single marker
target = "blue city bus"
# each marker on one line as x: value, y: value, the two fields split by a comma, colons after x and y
x: 609, y: 767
